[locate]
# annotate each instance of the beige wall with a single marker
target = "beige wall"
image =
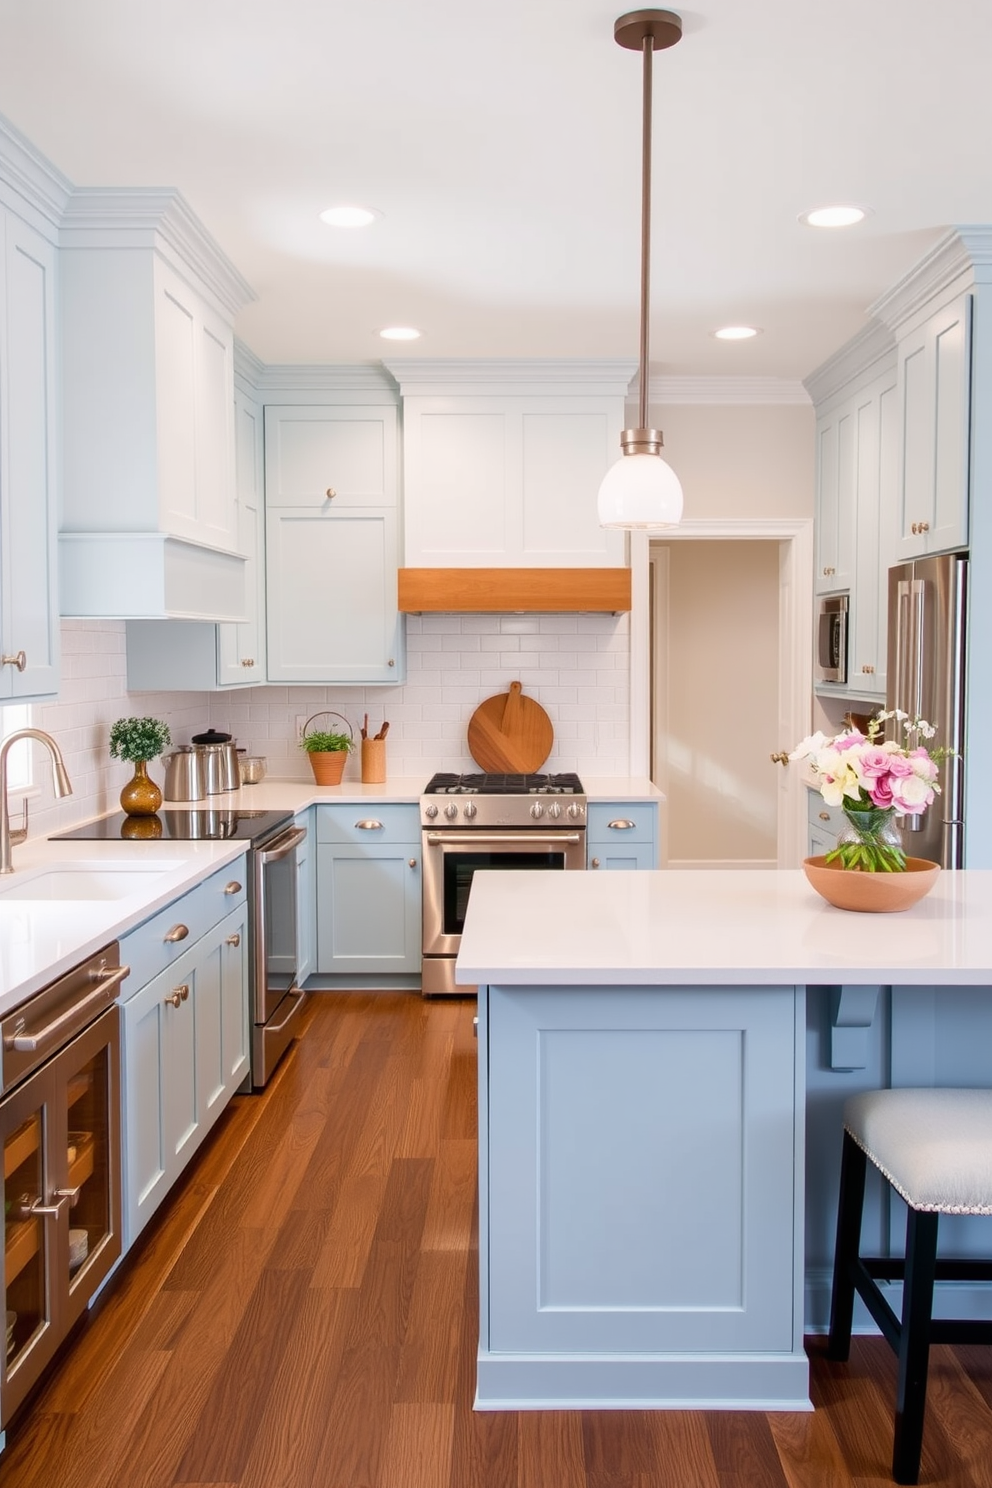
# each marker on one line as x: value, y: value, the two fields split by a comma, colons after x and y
x: 736, y: 460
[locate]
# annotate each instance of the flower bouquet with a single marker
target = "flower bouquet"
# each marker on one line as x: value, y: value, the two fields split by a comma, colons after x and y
x: 874, y: 779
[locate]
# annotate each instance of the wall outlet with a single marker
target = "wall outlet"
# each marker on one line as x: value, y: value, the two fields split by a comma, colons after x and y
x: 301, y: 723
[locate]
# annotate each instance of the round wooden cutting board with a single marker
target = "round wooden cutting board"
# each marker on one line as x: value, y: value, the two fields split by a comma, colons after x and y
x: 510, y: 733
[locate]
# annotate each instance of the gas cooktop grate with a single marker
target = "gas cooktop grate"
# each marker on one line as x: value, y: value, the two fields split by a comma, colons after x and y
x: 504, y: 785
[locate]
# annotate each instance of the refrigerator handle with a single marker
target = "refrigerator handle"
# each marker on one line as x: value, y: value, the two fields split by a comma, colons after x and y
x: 914, y: 692
x: 899, y: 682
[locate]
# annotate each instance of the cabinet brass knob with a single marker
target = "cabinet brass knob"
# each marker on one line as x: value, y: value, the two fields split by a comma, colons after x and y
x: 178, y: 932
x: 234, y: 940
x: 17, y: 659
x: 824, y: 815
x: 330, y: 493
x: 413, y: 862
x: 249, y: 661
x: 184, y: 991
x: 924, y: 526
x: 174, y: 999
x: 390, y: 662
x: 233, y: 887
x: 594, y: 863
x: 781, y: 758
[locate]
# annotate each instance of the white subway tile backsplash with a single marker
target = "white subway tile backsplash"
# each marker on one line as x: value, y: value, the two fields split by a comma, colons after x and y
x: 576, y: 666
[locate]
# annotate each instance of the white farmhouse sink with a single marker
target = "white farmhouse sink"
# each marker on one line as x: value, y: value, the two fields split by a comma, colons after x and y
x: 84, y: 881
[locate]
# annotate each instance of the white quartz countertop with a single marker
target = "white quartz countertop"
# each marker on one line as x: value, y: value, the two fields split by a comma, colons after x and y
x: 40, y: 940
x: 716, y: 927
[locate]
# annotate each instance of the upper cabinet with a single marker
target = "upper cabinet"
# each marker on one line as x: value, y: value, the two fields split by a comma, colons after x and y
x: 197, y: 655
x: 150, y: 522
x: 502, y: 462
x: 934, y: 404
x: 29, y: 627
x: 332, y: 542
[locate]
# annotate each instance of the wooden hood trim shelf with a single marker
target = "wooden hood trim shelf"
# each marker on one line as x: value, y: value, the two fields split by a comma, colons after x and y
x: 496, y: 590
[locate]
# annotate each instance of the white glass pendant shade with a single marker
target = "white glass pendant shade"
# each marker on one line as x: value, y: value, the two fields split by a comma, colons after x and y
x: 640, y: 491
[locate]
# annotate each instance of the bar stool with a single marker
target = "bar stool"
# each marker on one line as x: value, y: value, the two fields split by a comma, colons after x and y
x: 935, y: 1149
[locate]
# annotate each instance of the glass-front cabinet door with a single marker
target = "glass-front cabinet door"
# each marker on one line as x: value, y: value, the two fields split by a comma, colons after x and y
x: 60, y: 1132
x: 26, y: 1119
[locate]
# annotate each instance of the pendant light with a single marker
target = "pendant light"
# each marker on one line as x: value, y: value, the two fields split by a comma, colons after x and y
x: 641, y: 490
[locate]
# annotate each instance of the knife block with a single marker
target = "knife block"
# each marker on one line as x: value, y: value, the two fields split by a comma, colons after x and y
x: 373, y: 761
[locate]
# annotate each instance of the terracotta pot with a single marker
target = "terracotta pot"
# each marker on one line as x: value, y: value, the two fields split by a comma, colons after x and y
x: 328, y: 765
x: 872, y: 893
x: 141, y: 796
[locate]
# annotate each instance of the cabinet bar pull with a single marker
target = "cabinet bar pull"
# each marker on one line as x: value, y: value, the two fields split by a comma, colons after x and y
x: 369, y: 825
x: 233, y: 887
x: 621, y: 824
x: 30, y: 1043
x: 178, y: 932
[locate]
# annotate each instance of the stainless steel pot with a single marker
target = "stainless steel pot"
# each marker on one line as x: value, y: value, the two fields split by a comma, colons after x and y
x: 185, y: 775
x: 220, y: 763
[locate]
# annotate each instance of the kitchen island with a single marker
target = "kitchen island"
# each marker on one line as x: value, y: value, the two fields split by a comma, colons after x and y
x: 642, y: 1113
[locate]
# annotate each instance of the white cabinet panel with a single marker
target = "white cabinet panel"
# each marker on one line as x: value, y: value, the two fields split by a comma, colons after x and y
x: 350, y: 451
x: 508, y: 481
x: 28, y: 582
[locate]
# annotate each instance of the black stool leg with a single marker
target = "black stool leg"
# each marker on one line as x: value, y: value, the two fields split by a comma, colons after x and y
x: 849, y: 1208
x: 914, y: 1344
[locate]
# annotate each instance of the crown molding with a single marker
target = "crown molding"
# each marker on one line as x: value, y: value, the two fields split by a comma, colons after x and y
x: 150, y: 217
x: 448, y: 377
x: 963, y: 252
x: 34, y: 179
x: 331, y: 377
x: 860, y: 358
x: 712, y: 390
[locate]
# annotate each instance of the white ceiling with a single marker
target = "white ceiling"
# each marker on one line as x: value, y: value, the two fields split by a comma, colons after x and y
x: 502, y: 145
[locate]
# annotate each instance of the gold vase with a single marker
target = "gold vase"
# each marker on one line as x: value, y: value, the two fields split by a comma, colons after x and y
x: 141, y: 796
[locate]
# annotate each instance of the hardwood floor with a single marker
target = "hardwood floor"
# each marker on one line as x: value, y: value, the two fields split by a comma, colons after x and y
x: 305, y: 1313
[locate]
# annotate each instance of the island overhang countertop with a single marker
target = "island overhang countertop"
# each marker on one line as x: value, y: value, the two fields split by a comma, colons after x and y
x: 725, y: 927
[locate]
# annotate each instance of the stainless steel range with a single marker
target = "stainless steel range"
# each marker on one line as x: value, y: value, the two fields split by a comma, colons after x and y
x: 473, y: 822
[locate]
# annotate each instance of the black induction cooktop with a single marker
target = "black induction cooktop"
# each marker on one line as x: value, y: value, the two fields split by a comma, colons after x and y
x: 179, y: 825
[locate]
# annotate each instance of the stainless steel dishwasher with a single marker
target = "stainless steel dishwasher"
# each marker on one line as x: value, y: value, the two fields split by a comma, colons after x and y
x: 61, y: 1136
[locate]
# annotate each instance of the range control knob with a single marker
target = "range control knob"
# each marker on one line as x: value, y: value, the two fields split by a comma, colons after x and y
x: 574, y: 811
x: 471, y: 810
x: 451, y: 811
x: 430, y: 811
x: 554, y: 810
x: 537, y: 811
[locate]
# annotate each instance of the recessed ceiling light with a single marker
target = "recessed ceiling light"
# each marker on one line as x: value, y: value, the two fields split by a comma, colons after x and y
x: 737, y: 333
x: 400, y: 333
x: 833, y: 216
x: 346, y: 215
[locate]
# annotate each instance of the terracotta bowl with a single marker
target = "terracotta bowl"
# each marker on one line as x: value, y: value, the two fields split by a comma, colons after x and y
x: 872, y: 893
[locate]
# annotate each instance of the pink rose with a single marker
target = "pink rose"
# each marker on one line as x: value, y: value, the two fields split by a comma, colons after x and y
x: 848, y: 741
x: 881, y: 792
x: 873, y: 763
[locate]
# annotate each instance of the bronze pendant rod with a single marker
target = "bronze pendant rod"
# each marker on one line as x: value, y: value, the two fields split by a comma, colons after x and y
x: 647, y: 52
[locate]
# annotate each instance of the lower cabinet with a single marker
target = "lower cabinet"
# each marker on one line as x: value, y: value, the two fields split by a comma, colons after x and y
x: 622, y: 834
x: 185, y: 1053
x: 824, y: 822
x: 369, y: 890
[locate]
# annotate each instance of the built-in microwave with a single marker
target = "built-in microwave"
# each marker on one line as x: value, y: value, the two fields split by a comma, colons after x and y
x: 831, y: 639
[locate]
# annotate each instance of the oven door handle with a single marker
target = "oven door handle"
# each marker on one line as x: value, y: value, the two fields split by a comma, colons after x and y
x: 283, y: 846
x: 480, y: 839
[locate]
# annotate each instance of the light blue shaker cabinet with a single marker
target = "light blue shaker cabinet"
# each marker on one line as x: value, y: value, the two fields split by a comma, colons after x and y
x: 368, y: 894
x: 184, y: 1034
x: 622, y: 834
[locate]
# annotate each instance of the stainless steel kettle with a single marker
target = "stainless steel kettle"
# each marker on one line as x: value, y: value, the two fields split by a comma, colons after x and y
x: 185, y: 775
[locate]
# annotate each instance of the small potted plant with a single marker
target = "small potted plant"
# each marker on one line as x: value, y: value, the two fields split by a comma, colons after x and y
x: 138, y: 740
x: 327, y: 749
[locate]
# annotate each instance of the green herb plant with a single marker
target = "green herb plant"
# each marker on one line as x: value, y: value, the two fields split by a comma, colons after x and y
x: 325, y: 741
x: 138, y: 738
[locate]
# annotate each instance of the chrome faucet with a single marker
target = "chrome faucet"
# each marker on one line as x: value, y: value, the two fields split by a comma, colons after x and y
x: 60, y: 781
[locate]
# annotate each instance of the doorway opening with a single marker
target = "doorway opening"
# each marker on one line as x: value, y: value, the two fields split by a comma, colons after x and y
x: 730, y: 634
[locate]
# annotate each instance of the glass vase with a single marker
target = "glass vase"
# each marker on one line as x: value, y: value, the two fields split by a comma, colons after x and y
x: 870, y: 842
x: 141, y: 796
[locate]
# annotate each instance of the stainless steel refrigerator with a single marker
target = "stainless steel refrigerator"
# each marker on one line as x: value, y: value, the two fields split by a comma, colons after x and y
x: 925, y: 677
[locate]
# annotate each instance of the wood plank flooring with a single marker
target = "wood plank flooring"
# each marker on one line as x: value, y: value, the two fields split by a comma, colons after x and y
x: 303, y: 1314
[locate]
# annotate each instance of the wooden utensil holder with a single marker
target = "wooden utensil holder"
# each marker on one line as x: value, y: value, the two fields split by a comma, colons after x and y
x: 373, y: 761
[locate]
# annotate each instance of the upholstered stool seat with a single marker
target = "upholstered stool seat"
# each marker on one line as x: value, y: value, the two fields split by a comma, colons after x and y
x: 935, y: 1149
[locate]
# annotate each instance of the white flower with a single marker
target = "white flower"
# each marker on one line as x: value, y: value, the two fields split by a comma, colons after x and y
x: 810, y: 746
